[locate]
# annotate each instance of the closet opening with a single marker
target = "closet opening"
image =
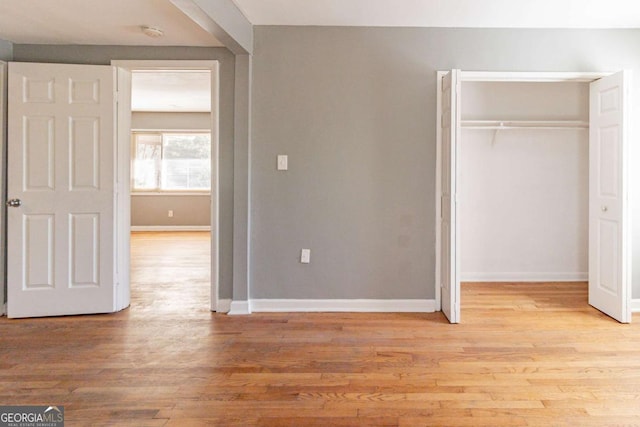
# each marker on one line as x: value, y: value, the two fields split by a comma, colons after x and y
x: 524, y: 182
x: 524, y: 192
x: 531, y: 184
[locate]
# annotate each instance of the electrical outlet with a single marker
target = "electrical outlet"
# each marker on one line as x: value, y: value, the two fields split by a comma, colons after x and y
x: 170, y: 214
x: 305, y: 256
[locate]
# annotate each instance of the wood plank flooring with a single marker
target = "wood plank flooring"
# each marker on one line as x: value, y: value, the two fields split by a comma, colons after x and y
x: 524, y: 355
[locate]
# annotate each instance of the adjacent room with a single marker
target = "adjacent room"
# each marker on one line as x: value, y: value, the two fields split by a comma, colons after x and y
x: 171, y: 187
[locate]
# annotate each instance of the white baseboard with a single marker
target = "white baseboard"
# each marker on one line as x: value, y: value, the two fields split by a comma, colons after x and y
x: 239, y: 308
x: 170, y: 228
x: 635, y: 305
x: 224, y: 305
x: 524, y: 277
x: 344, y: 305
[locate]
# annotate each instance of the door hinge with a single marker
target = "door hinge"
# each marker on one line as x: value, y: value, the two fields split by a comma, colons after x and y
x: 116, y: 95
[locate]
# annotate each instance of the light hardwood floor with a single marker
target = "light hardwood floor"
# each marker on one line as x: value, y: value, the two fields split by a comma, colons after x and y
x: 524, y: 355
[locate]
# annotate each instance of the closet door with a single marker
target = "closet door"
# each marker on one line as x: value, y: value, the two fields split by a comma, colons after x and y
x: 450, y: 268
x: 609, y: 225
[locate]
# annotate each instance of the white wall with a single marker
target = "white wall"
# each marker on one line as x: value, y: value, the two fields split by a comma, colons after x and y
x: 524, y: 193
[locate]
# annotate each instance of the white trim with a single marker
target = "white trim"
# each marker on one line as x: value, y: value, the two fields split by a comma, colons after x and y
x: 535, y: 77
x: 344, y: 305
x: 437, y: 284
x: 3, y: 195
x: 525, y: 124
x: 148, y: 130
x: 635, y: 305
x: 525, y: 277
x: 153, y: 64
x: 170, y: 228
x: 224, y: 305
x: 214, y: 67
x: 170, y: 193
x: 239, y: 308
x: 123, y: 200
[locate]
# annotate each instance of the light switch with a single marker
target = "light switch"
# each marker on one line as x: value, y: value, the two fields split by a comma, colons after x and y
x: 305, y: 256
x: 283, y: 162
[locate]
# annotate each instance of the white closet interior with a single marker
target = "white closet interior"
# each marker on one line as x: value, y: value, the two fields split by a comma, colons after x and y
x: 524, y: 181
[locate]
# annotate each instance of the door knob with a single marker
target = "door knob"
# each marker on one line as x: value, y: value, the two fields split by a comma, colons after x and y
x: 14, y: 203
x: 604, y: 209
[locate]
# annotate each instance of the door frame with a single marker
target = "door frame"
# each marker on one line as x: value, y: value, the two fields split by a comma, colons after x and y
x: 3, y: 185
x: 124, y: 146
x: 487, y: 76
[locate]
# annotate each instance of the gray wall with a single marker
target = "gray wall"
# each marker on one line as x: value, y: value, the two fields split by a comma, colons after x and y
x: 104, y: 55
x: 187, y: 210
x: 6, y: 50
x: 354, y: 108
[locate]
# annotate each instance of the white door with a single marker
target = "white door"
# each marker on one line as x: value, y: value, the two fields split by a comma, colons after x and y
x: 609, y: 219
x: 61, y: 159
x: 450, y: 269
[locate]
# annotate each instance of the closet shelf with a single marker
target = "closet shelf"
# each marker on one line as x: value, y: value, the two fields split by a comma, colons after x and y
x: 524, y: 124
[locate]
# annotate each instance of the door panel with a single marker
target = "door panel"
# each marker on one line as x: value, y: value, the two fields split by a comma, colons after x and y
x: 61, y: 155
x: 39, y: 250
x: 84, y: 250
x: 609, y: 219
x: 450, y: 270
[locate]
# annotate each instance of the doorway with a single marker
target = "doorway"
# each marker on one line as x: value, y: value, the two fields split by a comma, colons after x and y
x: 608, y: 235
x: 74, y: 256
x: 173, y: 120
x: 170, y: 187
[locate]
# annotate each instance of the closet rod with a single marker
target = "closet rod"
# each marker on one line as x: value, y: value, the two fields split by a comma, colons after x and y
x: 524, y: 124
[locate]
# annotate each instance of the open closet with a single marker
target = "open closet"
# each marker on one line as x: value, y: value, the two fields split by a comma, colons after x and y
x: 524, y: 181
x: 532, y: 183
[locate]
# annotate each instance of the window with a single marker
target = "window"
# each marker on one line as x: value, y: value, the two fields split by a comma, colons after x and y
x: 171, y: 161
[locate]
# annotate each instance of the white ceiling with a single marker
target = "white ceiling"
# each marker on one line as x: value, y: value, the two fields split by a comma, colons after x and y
x: 179, y: 91
x: 101, y: 22
x: 118, y: 22
x: 446, y: 13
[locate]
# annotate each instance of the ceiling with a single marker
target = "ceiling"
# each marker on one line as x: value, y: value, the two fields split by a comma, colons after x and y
x: 100, y: 22
x: 446, y: 13
x: 118, y: 22
x: 177, y: 91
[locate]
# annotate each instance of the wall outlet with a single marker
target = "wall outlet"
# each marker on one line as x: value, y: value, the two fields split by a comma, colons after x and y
x: 305, y: 256
x: 170, y: 214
